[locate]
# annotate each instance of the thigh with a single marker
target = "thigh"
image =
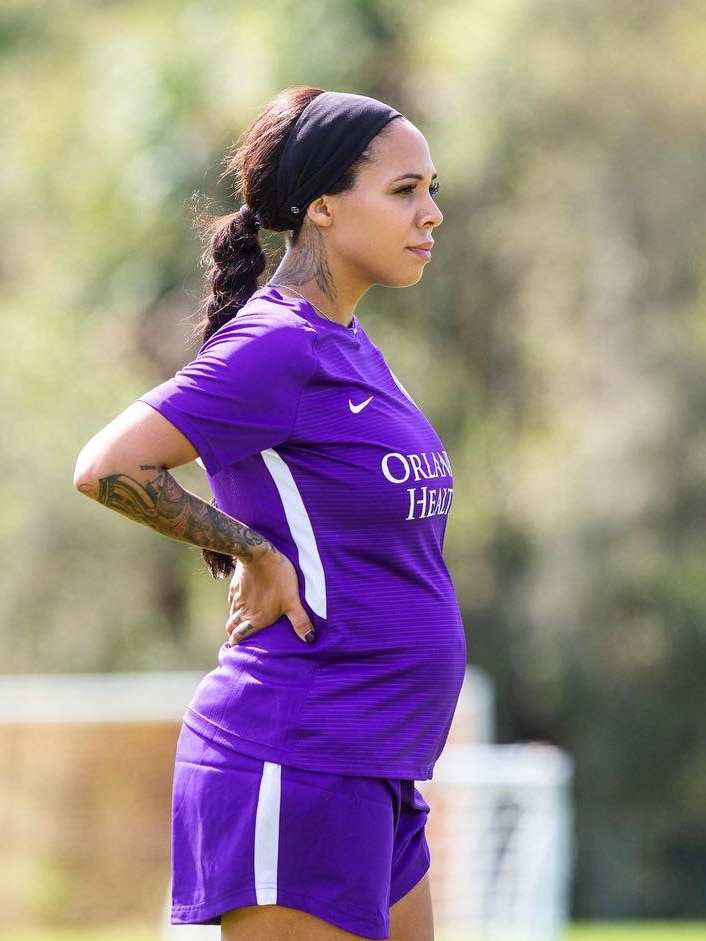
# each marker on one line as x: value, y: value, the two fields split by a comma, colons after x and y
x: 274, y: 922
x: 411, y: 919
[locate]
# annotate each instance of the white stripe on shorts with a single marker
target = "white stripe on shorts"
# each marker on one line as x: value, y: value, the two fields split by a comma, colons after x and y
x: 267, y: 834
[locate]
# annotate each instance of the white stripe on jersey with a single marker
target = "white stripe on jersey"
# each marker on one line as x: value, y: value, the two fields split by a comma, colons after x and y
x: 267, y: 834
x: 301, y: 530
x: 402, y: 389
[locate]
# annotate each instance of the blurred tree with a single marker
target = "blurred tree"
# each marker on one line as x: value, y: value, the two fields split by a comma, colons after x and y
x: 558, y: 342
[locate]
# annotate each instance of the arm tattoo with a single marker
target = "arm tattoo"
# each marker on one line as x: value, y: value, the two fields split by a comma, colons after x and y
x: 308, y: 263
x: 162, y: 504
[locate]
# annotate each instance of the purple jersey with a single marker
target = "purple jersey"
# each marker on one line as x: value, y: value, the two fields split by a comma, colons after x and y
x: 308, y: 438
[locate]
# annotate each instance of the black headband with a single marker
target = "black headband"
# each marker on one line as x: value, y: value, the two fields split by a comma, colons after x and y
x: 331, y: 133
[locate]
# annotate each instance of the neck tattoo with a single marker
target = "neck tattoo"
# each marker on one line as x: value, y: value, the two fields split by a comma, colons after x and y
x: 318, y: 311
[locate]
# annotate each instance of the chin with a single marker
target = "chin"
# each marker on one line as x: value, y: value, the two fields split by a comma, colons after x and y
x: 403, y: 281
x: 412, y: 279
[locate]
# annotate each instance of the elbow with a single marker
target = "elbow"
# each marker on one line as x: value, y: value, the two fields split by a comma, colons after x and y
x: 126, y: 444
x: 90, y: 469
x: 85, y: 476
x: 108, y: 452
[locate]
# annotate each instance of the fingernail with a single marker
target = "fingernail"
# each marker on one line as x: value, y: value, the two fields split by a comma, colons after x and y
x: 310, y: 636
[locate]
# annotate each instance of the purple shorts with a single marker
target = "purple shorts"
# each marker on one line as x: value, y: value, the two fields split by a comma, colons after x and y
x: 248, y: 832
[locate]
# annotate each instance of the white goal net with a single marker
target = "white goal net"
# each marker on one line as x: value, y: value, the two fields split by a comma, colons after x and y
x: 500, y: 837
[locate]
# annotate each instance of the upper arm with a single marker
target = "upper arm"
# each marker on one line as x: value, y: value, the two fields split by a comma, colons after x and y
x: 139, y: 436
x: 241, y: 394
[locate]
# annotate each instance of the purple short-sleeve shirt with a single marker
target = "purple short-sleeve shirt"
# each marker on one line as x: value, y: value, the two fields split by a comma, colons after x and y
x: 307, y: 437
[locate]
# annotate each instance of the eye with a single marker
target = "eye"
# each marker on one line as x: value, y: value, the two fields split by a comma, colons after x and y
x: 411, y: 187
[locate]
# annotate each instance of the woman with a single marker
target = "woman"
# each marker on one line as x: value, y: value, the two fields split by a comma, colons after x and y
x: 295, y: 814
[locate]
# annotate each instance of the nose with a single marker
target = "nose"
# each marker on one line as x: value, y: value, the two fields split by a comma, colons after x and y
x: 433, y: 216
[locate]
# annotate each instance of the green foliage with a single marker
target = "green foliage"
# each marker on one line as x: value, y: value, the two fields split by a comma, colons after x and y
x: 558, y: 342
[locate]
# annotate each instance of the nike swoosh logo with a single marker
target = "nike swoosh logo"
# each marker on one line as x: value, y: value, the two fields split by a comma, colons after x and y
x: 360, y: 406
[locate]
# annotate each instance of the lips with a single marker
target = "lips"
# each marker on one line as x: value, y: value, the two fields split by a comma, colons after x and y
x: 422, y: 251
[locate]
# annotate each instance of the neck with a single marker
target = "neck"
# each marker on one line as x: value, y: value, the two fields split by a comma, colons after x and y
x: 307, y: 270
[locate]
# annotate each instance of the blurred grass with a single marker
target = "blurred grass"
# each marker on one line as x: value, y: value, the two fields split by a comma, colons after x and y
x: 588, y: 931
x: 638, y: 931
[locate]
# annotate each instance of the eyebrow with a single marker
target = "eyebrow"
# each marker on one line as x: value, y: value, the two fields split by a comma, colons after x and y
x: 413, y: 176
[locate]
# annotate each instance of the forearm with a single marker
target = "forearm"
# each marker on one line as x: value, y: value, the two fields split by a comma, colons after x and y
x: 151, y: 496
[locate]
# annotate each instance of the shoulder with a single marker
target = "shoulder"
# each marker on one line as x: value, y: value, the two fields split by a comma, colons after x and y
x: 264, y: 330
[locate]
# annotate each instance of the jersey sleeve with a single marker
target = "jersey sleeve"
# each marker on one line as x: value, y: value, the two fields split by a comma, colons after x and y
x: 240, y: 395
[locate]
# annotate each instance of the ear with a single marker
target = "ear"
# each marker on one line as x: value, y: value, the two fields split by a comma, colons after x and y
x: 320, y: 211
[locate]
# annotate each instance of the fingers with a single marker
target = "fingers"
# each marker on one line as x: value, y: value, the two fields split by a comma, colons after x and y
x: 238, y: 626
x: 244, y: 630
x: 299, y: 620
x: 234, y: 619
x: 240, y: 630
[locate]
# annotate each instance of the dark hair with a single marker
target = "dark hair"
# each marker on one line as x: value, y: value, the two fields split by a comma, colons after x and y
x: 234, y: 254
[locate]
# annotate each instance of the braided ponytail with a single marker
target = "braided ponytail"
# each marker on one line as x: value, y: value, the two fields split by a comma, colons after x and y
x: 237, y: 261
x: 234, y: 254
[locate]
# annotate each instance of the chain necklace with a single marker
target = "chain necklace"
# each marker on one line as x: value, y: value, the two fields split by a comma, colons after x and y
x: 319, y: 312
